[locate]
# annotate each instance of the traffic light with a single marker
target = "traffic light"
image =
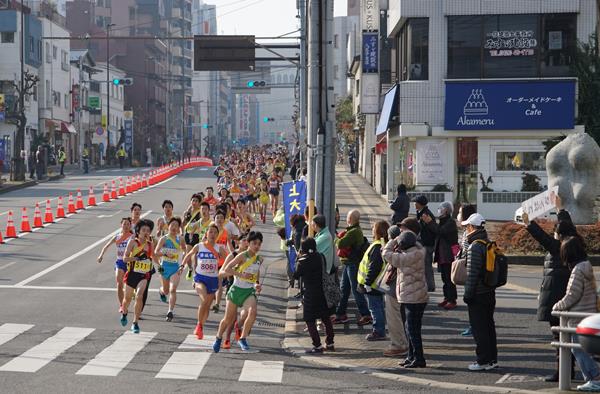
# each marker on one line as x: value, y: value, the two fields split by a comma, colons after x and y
x: 123, y: 81
x: 266, y: 119
x: 256, y: 84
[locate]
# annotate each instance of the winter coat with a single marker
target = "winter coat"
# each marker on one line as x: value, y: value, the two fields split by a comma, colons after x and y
x: 353, y: 239
x: 375, y: 265
x: 476, y: 258
x: 556, y: 273
x: 400, y: 206
x: 427, y: 234
x: 446, y: 235
x: 310, y: 268
x: 581, y: 293
x: 297, y: 231
x: 411, y: 285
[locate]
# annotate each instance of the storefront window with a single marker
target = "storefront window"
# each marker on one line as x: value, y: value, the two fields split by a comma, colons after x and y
x: 413, y: 44
x: 520, y: 161
x: 404, y: 168
x: 511, y: 46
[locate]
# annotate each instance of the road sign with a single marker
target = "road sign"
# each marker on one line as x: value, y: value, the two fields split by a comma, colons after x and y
x: 94, y: 102
x: 224, y: 53
x: 99, y: 131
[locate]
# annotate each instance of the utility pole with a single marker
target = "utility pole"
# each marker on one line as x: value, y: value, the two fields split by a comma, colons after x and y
x: 82, y: 133
x: 302, y: 70
x: 313, y: 106
x: 108, y: 26
x: 18, y: 167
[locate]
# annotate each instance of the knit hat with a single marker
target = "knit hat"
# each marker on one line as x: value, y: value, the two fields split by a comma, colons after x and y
x: 407, y: 239
x: 393, y: 232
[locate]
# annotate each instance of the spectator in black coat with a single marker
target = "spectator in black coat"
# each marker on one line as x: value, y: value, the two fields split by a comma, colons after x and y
x: 400, y: 206
x: 426, y: 237
x: 310, y: 270
x: 556, y: 274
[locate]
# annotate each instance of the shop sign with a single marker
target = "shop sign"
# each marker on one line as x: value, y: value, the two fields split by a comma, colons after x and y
x: 369, y: 15
x: 431, y: 161
x: 370, y: 55
x: 94, y: 102
x: 511, y: 105
x: 509, y: 43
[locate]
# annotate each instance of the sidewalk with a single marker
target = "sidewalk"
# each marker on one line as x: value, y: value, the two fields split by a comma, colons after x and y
x: 525, y: 355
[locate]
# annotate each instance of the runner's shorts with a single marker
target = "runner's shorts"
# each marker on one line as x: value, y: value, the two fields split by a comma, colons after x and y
x: 274, y: 192
x: 121, y: 265
x: 239, y: 295
x: 133, y: 279
x: 192, y: 239
x: 169, y: 269
x: 210, y: 282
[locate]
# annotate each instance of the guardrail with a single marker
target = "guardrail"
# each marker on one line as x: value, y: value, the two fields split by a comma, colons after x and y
x: 564, y: 345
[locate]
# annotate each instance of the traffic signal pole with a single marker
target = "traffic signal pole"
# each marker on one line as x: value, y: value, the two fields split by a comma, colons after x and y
x: 313, y: 110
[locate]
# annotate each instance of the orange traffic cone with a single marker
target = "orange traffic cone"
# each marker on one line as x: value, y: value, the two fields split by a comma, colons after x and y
x: 60, y: 210
x: 144, y: 181
x: 113, y: 190
x: 37, y: 217
x: 106, y: 195
x: 121, y: 187
x: 11, y: 231
x: 138, y: 182
x: 71, y: 206
x: 1, y: 240
x: 91, y: 197
x: 25, y: 226
x: 48, y: 217
x: 128, y: 185
x: 79, y: 203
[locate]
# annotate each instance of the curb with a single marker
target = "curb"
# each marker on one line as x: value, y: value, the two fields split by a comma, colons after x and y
x: 293, y: 346
x: 27, y: 184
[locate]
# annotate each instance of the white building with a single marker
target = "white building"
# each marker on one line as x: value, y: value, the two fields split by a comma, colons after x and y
x: 82, y: 68
x: 345, y: 34
x: 481, y: 86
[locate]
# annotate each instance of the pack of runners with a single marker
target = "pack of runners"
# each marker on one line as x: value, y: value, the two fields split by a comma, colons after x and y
x: 213, y: 240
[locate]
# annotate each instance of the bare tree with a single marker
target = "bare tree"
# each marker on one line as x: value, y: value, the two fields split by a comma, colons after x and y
x: 19, y: 119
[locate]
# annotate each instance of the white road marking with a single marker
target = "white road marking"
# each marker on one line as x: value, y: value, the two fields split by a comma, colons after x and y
x: 184, y: 365
x: 61, y: 288
x: 114, y: 358
x: 262, y: 371
x: 109, y: 216
x: 9, y: 331
x: 8, y: 265
x: 193, y: 343
x: 71, y: 258
x: 38, y: 356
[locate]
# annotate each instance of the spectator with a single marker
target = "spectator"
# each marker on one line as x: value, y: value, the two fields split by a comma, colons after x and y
x: 352, y: 160
x: 464, y: 211
x: 370, y: 270
x: 556, y: 274
x: 62, y: 158
x: 310, y: 269
x: 411, y: 291
x: 393, y: 315
x: 444, y: 250
x: 294, y: 170
x: 31, y: 164
x: 353, y: 240
x: 580, y: 296
x: 480, y: 298
x: 298, y: 223
x: 426, y: 237
x: 39, y: 163
x: 401, y: 205
x: 303, y: 176
x: 324, y: 241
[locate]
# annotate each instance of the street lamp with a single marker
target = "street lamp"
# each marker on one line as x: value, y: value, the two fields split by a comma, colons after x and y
x: 108, y: 26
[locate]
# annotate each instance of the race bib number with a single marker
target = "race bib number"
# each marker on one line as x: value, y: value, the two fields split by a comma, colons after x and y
x: 142, y: 267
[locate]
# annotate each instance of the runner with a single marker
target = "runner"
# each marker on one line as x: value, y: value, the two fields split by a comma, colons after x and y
x: 169, y: 250
x: 223, y: 194
x: 263, y: 200
x: 138, y: 257
x: 245, y: 269
x: 190, y: 217
x: 120, y: 241
x: 210, y: 199
x: 162, y: 224
x: 206, y: 256
x: 274, y: 192
x: 245, y: 221
x: 136, y: 213
x: 224, y: 239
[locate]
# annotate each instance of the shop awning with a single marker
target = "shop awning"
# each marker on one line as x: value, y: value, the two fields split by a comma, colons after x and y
x: 67, y: 128
x: 390, y: 106
x: 381, y: 144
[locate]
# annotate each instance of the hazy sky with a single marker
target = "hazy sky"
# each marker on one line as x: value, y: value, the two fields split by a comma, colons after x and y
x: 263, y: 18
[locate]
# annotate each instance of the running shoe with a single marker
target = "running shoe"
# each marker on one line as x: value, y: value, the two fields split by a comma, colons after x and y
x: 216, y: 308
x: 135, y: 328
x: 243, y: 342
x: 198, y: 331
x: 169, y: 316
x: 466, y: 332
x: 217, y: 345
x: 590, y: 386
x: 163, y: 297
x: 124, y: 319
x: 483, y: 367
x: 188, y: 276
x: 238, y: 332
x: 227, y: 344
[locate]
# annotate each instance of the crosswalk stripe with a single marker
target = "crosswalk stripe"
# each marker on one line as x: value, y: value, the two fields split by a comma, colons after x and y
x: 40, y: 355
x: 184, y: 365
x: 9, y: 331
x: 193, y: 343
x: 262, y: 371
x: 115, y: 357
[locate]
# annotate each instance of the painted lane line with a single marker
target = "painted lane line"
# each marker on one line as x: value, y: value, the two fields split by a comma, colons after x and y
x: 8, y: 265
x: 9, y: 331
x: 72, y: 257
x: 38, y: 356
x: 115, y: 357
x: 262, y: 371
x: 80, y: 288
x: 184, y: 365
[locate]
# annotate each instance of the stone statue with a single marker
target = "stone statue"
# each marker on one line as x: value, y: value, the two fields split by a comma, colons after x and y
x: 574, y: 166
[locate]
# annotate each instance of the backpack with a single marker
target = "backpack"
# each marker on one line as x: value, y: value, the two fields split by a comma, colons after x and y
x: 357, y: 253
x: 495, y: 273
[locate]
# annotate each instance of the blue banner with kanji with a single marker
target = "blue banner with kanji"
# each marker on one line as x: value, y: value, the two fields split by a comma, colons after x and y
x: 294, y: 203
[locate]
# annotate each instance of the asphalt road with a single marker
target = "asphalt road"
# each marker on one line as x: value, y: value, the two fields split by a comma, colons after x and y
x: 59, y: 320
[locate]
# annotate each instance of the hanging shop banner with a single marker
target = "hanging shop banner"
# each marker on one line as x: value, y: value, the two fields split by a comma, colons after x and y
x: 369, y: 15
x: 294, y: 202
x: 511, y: 105
x: 369, y: 93
x: 431, y: 161
x: 128, y: 127
x: 370, y: 53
